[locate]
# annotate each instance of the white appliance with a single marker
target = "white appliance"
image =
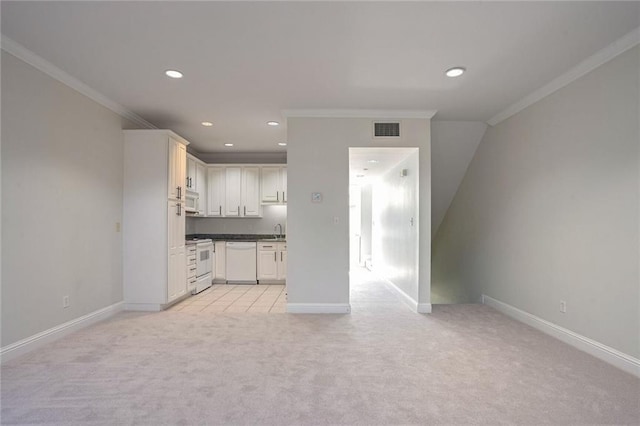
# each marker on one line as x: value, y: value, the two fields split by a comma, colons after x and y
x: 241, y: 262
x: 191, y: 201
x: 204, y: 265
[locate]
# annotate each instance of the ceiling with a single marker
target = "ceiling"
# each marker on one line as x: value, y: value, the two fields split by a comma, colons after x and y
x: 246, y: 62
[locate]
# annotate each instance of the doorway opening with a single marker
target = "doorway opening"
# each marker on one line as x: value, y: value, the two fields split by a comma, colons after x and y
x: 383, y: 224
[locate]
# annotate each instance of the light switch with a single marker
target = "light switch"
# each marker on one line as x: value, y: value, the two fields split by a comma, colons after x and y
x: 336, y: 220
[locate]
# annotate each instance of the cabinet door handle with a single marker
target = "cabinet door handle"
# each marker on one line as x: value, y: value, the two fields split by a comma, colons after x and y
x: 277, y: 195
x: 275, y: 256
x: 245, y: 210
x: 179, y: 192
x: 238, y: 210
x: 220, y: 210
x: 280, y: 256
x: 179, y: 211
x: 283, y: 199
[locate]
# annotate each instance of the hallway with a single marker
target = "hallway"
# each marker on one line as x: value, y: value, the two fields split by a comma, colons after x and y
x: 370, y: 294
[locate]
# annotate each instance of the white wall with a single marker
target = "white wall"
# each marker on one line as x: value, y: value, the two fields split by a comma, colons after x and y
x: 271, y: 215
x: 62, y: 177
x: 395, y: 226
x: 453, y: 144
x: 318, y: 161
x: 549, y: 210
x: 366, y: 220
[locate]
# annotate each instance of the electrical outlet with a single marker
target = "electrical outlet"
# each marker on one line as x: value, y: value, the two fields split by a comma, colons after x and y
x: 563, y: 306
x: 336, y: 220
x: 65, y: 302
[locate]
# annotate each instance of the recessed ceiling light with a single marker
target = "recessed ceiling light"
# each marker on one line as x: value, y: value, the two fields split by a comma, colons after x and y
x: 228, y: 144
x: 455, y: 71
x: 273, y: 123
x: 372, y: 161
x: 207, y: 123
x: 282, y: 143
x: 173, y: 73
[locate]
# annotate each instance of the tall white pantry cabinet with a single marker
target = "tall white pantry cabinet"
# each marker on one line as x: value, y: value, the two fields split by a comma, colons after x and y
x: 154, y: 258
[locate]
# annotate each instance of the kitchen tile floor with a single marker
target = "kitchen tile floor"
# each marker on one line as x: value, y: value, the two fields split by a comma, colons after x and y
x: 262, y: 298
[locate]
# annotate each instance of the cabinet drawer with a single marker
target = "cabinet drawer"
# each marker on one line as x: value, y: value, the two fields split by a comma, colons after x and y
x: 191, y: 260
x: 191, y: 249
x: 267, y: 246
x: 191, y: 271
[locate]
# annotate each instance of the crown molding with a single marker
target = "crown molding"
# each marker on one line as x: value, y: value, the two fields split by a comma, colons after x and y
x: 357, y: 113
x: 594, y: 61
x: 19, y: 51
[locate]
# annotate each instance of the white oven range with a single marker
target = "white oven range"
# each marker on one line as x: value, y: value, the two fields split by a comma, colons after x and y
x: 204, y: 264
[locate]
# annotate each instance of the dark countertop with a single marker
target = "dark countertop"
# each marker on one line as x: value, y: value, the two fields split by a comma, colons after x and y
x: 234, y: 237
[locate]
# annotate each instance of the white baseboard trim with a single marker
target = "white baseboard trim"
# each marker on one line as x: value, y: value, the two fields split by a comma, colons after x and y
x: 421, y: 308
x: 424, y: 308
x: 147, y: 307
x: 605, y: 353
x: 318, y: 308
x: 30, y: 343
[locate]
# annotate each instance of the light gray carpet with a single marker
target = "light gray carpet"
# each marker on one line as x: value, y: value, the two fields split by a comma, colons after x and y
x: 463, y: 364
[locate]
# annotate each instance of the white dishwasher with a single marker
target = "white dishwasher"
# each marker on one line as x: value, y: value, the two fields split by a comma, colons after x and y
x: 241, y: 262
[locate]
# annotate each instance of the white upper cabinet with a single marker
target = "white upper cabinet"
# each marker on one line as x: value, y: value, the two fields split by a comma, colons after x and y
x: 251, y: 192
x: 195, y: 180
x: 216, y: 191
x: 177, y: 166
x: 242, y: 191
x: 201, y: 187
x: 283, y: 177
x: 233, y: 188
x: 191, y: 178
x: 273, y: 184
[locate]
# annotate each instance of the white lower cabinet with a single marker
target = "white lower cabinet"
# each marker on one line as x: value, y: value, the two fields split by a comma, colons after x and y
x: 282, y: 266
x: 221, y: 261
x: 191, y: 267
x: 177, y: 285
x: 272, y: 262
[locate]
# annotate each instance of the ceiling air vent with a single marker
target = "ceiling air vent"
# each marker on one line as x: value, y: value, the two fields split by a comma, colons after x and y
x: 386, y: 129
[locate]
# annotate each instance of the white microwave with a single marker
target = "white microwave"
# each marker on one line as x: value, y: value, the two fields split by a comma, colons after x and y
x: 191, y: 202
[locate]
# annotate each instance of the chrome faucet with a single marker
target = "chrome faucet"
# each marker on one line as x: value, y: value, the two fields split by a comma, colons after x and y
x: 280, y: 230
